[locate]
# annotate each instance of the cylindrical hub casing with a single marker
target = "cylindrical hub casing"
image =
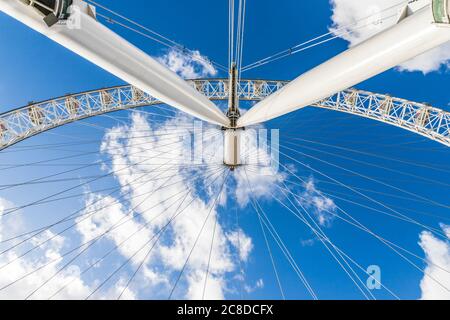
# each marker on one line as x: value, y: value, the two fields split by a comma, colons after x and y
x: 232, y: 147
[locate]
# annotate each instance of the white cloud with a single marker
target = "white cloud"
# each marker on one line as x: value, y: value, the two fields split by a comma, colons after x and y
x: 263, y: 185
x: 152, y: 185
x: 446, y: 229
x: 437, y: 254
x: 3, y: 205
x: 214, y: 286
x: 188, y: 66
x: 242, y: 243
x: 307, y: 242
x: 322, y: 206
x: 148, y: 207
x: 260, y: 176
x: 347, y: 14
x: 258, y: 285
x: 121, y: 289
x: 9, y: 224
x: 108, y: 213
x: 14, y: 267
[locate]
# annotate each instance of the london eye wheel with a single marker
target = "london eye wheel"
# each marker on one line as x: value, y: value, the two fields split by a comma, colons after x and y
x: 231, y: 187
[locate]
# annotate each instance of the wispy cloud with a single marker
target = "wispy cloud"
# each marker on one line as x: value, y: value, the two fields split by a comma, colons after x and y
x: 252, y: 288
x: 436, y: 283
x: 307, y: 242
x: 168, y: 256
x: 241, y: 242
x: 152, y: 184
x: 322, y: 207
x: 14, y: 266
x: 188, y: 66
x: 258, y: 179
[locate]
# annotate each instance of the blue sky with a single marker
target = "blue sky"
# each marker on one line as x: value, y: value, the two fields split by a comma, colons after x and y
x: 34, y: 69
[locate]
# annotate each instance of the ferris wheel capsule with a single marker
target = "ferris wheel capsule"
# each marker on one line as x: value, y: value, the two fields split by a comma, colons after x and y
x: 3, y: 131
x: 52, y: 10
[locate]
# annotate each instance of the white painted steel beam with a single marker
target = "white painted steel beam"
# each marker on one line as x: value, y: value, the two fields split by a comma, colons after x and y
x: 413, y: 35
x: 85, y: 36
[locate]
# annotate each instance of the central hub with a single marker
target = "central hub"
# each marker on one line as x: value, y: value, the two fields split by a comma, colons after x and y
x: 232, y: 148
x: 233, y: 98
x: 232, y: 135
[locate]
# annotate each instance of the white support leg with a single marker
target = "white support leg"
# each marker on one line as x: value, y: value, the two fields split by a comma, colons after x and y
x: 85, y: 36
x: 415, y: 34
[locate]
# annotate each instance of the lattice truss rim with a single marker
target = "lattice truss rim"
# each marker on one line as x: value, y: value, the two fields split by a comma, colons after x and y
x: 22, y: 123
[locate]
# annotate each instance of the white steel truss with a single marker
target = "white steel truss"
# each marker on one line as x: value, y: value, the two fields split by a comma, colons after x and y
x: 22, y: 123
